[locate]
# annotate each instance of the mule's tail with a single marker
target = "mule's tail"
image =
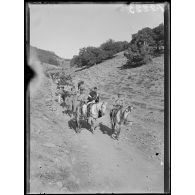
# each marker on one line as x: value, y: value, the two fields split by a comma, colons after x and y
x: 111, y: 114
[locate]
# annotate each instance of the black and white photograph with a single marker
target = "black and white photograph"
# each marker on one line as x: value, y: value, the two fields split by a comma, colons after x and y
x: 97, y: 105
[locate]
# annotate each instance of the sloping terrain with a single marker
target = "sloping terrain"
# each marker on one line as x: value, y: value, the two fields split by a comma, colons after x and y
x: 48, y: 57
x: 62, y: 161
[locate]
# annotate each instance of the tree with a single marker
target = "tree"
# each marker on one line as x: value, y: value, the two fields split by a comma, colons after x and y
x: 159, y: 36
x: 88, y: 56
x: 143, y: 44
x: 108, y: 45
x: 139, y: 57
x: 143, y: 37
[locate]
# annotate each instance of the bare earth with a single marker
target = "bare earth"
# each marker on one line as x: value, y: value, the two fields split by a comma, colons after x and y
x: 62, y: 161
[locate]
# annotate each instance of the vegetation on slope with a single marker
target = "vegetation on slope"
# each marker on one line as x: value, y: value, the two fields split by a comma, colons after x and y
x: 145, y: 44
x: 89, y: 56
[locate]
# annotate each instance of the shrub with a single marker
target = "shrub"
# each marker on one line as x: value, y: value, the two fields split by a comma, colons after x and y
x: 145, y: 44
x: 139, y: 57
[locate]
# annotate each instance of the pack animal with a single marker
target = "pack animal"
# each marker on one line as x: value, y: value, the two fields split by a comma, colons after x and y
x: 118, y: 117
x: 97, y: 110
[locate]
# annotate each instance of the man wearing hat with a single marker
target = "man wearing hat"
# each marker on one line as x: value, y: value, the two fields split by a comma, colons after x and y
x: 81, y: 95
x: 60, y: 94
x: 119, y: 101
x: 93, y: 97
x: 80, y: 85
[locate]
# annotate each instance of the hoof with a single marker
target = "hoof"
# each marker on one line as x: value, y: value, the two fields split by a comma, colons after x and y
x: 113, y: 136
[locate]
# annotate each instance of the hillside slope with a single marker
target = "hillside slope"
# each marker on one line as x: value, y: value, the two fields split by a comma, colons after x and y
x: 48, y: 57
x: 143, y: 88
x: 62, y: 161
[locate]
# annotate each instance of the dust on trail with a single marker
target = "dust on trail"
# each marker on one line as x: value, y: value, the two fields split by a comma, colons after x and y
x: 62, y: 161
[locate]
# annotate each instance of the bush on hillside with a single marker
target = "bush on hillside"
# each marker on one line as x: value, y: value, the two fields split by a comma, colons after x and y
x: 114, y: 47
x: 89, y: 56
x: 159, y: 37
x: 137, y: 58
x: 145, y: 44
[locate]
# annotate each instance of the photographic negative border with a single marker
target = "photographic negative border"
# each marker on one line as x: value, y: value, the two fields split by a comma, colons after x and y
x: 167, y: 97
x: 29, y: 74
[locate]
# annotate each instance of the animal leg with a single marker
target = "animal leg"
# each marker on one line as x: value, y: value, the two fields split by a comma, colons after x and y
x: 77, y: 123
x: 118, y: 133
x: 113, y: 126
x: 114, y: 131
x: 76, y: 126
x: 79, y: 127
x: 59, y: 98
x: 92, y: 126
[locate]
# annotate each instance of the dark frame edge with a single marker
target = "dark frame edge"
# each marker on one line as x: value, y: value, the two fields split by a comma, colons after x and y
x: 26, y: 100
x: 167, y: 96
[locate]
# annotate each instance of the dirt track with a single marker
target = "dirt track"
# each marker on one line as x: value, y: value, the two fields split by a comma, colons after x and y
x: 62, y: 161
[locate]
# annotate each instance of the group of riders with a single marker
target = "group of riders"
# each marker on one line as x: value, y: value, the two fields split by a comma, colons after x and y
x: 79, y: 94
x: 92, y: 97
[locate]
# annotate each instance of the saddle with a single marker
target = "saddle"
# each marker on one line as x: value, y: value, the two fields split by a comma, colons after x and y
x: 89, y: 108
x: 81, y: 104
x: 115, y: 110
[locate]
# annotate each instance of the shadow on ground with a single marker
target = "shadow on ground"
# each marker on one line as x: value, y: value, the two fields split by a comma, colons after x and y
x: 105, y: 130
x: 130, y: 66
x: 84, y: 124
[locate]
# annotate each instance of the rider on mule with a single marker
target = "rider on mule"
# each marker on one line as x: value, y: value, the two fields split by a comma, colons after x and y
x: 81, y: 97
x: 119, y: 102
x: 61, y: 94
x: 73, y: 91
x: 80, y: 85
x: 93, y: 97
x: 118, y: 114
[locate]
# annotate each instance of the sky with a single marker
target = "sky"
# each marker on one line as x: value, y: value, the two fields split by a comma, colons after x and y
x: 66, y: 28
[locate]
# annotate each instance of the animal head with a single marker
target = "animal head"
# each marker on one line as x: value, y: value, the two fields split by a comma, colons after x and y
x: 103, y: 107
x: 127, y: 111
x: 84, y: 109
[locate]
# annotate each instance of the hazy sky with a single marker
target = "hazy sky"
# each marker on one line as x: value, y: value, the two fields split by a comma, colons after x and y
x: 65, y: 28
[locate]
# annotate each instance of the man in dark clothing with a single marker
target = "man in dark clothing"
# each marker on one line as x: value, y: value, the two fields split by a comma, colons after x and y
x: 92, y: 98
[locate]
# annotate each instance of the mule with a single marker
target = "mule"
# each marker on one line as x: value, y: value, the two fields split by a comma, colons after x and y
x: 97, y: 110
x: 71, y: 104
x: 118, y: 117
